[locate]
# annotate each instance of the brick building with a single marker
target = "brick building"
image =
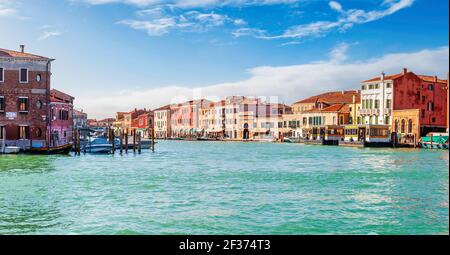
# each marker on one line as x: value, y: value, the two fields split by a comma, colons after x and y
x: 24, y: 98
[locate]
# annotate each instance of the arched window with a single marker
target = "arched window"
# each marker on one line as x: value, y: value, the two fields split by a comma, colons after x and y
x: 396, y: 126
x: 403, y: 126
x: 410, y: 126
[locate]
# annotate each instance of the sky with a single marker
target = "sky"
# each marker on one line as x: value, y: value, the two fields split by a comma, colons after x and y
x: 117, y: 55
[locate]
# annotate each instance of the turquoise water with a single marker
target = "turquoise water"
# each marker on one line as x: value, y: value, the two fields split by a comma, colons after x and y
x: 228, y: 188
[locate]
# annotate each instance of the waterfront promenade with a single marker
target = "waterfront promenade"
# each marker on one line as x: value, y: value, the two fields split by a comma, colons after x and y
x: 228, y: 188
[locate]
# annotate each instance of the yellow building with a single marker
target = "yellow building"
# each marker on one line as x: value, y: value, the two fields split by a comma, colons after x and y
x: 406, y: 124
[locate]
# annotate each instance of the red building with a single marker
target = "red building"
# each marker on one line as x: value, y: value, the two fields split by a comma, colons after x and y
x: 143, y: 124
x: 61, y: 125
x: 24, y: 98
x: 416, y: 103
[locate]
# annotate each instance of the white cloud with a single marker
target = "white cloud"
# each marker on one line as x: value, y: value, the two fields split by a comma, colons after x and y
x: 290, y: 83
x: 347, y: 19
x: 161, y: 20
x: 7, y: 9
x: 47, y: 34
x: 335, y: 6
x: 339, y: 53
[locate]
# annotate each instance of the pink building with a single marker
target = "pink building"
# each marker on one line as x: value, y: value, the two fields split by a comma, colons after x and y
x: 61, y: 124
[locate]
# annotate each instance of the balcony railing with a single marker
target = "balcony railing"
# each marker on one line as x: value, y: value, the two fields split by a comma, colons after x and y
x: 369, y: 111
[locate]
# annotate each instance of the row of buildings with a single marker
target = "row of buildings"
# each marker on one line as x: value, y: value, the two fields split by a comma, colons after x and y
x: 32, y: 115
x: 405, y: 104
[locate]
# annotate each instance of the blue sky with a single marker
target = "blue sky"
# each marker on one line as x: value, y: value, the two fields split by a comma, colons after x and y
x: 149, y: 52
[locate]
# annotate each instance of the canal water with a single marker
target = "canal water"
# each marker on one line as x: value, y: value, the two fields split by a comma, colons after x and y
x: 228, y: 188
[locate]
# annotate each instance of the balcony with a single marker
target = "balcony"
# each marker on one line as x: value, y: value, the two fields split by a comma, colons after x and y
x: 369, y: 111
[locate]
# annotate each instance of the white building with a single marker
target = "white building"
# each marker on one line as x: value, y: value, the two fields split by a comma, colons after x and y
x: 376, y: 100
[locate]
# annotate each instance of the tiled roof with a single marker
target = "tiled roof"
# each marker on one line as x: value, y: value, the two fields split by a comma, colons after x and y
x: 17, y: 54
x: 428, y: 78
x: 335, y: 97
x: 163, y: 108
x: 332, y: 108
x: 387, y: 77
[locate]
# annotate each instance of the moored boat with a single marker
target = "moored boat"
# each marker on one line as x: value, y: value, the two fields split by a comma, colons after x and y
x: 63, y: 150
x: 11, y: 150
x: 98, y: 145
x: 435, y: 141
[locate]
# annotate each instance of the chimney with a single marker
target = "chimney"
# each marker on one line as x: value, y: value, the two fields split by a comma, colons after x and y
x: 405, y: 71
x: 343, y: 92
x: 22, y: 48
x: 354, y: 99
x: 435, y: 79
x: 383, y: 75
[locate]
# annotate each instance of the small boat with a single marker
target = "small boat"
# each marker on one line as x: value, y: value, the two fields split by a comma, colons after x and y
x: 435, y: 141
x: 98, y: 145
x: 11, y: 150
x: 203, y: 138
x: 63, y: 150
x: 291, y: 140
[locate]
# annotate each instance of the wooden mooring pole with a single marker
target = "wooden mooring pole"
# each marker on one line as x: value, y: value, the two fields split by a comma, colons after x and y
x: 113, y: 141
x: 139, y: 143
x: 121, y: 142
x: 134, y: 140
x: 126, y: 141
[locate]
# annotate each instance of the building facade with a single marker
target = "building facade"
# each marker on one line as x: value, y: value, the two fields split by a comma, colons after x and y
x: 61, y: 115
x: 143, y: 124
x: 79, y: 119
x: 405, y: 91
x: 24, y: 98
x: 162, y: 122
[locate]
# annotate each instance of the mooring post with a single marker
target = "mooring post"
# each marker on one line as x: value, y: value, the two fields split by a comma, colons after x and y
x: 121, y: 142
x: 126, y: 141
x: 139, y: 143
x: 431, y: 140
x: 113, y: 142
x: 134, y: 140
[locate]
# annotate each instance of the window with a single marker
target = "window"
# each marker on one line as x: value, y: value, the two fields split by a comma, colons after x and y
x: 388, y: 85
x: 410, y: 126
x: 388, y: 103
x: 24, y: 132
x: 433, y: 119
x: 38, y: 78
x: 38, y: 132
x: 396, y: 126
x: 377, y: 86
x: 2, y: 104
x: 431, y: 87
x: 423, y: 99
x: 363, y: 87
x: 39, y: 104
x: 423, y: 114
x: 377, y: 104
x: 1, y: 132
x: 23, y: 104
x: 376, y: 120
x: 2, y: 75
x: 23, y: 75
x: 387, y: 120
x: 342, y: 120
x: 403, y: 126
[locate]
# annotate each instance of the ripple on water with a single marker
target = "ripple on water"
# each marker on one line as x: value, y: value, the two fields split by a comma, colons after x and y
x: 227, y: 188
